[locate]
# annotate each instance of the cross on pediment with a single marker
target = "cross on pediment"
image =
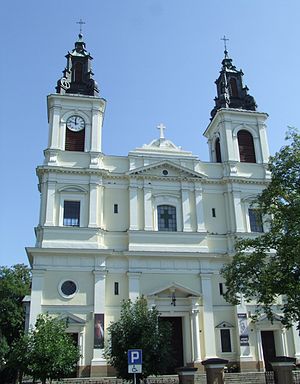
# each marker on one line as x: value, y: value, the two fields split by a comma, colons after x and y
x: 161, y: 128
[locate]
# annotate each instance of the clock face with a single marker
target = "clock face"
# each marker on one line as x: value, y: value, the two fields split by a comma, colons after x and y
x: 75, y: 123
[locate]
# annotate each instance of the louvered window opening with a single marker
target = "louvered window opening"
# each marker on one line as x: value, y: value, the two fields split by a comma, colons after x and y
x: 75, y: 140
x: 246, y: 147
x: 218, y: 151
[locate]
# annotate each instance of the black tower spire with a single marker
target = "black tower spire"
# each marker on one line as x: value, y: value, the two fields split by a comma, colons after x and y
x: 230, y: 90
x: 78, y: 76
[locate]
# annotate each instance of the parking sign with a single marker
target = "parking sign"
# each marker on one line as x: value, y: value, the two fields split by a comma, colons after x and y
x: 134, y: 360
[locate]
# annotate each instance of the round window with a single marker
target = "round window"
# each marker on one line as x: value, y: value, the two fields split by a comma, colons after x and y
x: 165, y: 172
x: 68, y: 288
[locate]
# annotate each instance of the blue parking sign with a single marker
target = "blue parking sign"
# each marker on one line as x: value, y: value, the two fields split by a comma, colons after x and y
x: 134, y: 356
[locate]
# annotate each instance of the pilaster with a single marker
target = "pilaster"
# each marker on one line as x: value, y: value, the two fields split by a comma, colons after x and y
x: 36, y: 295
x: 94, y: 201
x: 134, y: 285
x: 50, y: 205
x: 186, y: 207
x: 148, y: 211
x: 238, y: 211
x: 133, y: 206
x: 99, y: 308
x: 199, y: 209
x: 208, y: 316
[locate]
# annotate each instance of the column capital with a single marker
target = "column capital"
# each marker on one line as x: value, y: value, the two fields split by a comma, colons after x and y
x: 38, y: 272
x: 100, y: 272
x: 137, y: 275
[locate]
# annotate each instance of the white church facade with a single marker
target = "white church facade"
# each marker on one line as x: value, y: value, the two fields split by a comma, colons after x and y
x: 158, y: 222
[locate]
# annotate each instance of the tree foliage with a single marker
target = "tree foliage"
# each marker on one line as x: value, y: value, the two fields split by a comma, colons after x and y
x: 47, y: 352
x: 268, y: 266
x: 139, y: 328
x: 14, y: 285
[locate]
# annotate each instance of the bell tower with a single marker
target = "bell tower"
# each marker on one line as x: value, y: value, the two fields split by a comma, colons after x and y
x: 75, y: 112
x: 237, y: 131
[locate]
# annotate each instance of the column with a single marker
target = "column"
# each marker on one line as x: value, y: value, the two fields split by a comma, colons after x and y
x: 93, y: 202
x: 199, y: 209
x: 50, y: 203
x: 134, y: 285
x: 284, y: 342
x: 36, y: 295
x: 133, y: 206
x: 196, y: 332
x: 148, y: 211
x: 186, y: 208
x: 208, y: 316
x: 296, y: 338
x: 99, y: 309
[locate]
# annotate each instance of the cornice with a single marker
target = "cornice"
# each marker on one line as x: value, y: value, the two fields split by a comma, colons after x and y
x: 46, y: 169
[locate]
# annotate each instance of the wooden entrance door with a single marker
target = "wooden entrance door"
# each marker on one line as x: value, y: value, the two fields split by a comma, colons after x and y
x: 268, y: 345
x: 176, y: 342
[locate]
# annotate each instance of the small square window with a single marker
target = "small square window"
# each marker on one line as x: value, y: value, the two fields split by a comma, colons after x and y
x: 213, y: 212
x: 116, y: 288
x: 116, y: 208
x: 71, y: 213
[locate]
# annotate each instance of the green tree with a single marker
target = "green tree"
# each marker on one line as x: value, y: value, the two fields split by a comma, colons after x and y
x: 268, y: 266
x: 139, y: 328
x: 14, y: 285
x: 47, y: 352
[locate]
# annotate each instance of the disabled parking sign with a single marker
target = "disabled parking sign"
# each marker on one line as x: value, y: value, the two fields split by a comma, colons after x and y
x: 134, y: 360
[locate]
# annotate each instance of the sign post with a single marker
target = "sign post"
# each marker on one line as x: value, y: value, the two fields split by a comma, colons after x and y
x: 134, y: 362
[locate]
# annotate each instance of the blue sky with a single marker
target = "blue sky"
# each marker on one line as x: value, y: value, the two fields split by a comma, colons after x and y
x: 154, y: 60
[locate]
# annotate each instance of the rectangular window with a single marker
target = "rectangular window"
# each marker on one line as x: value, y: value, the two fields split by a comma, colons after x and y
x: 116, y: 208
x: 116, y: 288
x: 71, y: 213
x: 225, y: 340
x: 255, y: 219
x: 213, y: 212
x: 166, y: 218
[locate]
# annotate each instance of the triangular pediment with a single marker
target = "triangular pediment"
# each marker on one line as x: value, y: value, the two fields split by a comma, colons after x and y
x: 225, y: 324
x: 264, y: 318
x: 71, y: 319
x: 174, y: 288
x: 165, y: 169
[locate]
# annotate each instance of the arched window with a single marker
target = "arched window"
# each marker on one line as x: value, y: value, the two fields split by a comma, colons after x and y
x: 246, y: 147
x: 233, y: 87
x: 166, y: 218
x: 74, y: 140
x: 218, y: 151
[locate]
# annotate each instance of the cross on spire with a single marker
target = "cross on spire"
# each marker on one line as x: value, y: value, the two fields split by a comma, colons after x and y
x: 161, y: 128
x: 224, y: 39
x: 80, y: 22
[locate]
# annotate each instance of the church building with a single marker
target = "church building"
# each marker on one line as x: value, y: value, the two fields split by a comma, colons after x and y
x: 158, y: 222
